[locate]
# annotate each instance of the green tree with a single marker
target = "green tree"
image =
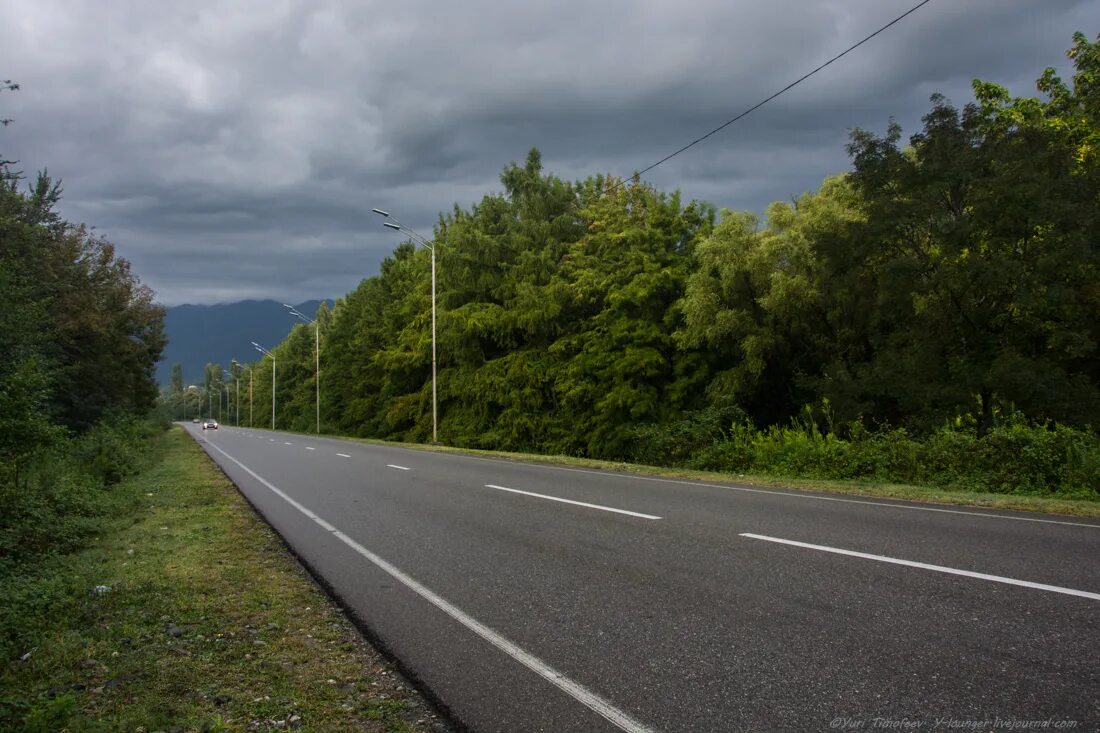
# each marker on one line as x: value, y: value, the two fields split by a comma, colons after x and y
x: 980, y: 251
x: 177, y: 378
x: 103, y: 334
x: 80, y: 335
x: 756, y: 302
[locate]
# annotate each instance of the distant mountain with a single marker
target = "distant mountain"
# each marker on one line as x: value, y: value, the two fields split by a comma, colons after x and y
x: 198, y: 334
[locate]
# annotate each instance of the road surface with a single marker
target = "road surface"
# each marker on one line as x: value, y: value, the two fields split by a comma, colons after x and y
x: 531, y: 597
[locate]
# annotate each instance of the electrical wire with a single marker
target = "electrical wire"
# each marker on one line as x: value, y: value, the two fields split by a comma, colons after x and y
x: 790, y: 86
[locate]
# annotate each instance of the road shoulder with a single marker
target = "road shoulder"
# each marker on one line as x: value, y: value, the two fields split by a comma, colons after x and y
x: 192, y: 615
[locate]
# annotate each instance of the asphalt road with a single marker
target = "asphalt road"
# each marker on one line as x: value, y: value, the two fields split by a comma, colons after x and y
x: 538, y: 598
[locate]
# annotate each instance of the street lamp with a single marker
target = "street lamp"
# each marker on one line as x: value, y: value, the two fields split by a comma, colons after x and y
x: 265, y: 352
x: 226, y: 387
x: 236, y: 365
x: 395, y: 224
x: 316, y: 356
x: 249, y: 368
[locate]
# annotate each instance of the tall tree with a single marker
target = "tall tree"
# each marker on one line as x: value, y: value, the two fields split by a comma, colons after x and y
x: 980, y: 248
x: 755, y: 301
x: 177, y: 378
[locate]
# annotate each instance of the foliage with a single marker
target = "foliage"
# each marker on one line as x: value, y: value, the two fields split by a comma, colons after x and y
x: 977, y: 266
x: 756, y: 300
x: 557, y: 305
x: 953, y: 281
x: 1014, y: 457
x: 79, y: 333
x: 65, y: 490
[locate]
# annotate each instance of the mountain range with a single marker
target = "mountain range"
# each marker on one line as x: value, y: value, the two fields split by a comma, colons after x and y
x: 198, y: 334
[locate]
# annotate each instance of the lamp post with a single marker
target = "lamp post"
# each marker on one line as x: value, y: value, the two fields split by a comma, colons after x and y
x: 316, y: 357
x: 236, y: 366
x: 226, y: 386
x: 395, y: 224
x: 249, y: 368
x: 265, y: 352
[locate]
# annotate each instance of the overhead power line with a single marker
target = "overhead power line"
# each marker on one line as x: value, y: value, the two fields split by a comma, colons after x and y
x: 790, y: 86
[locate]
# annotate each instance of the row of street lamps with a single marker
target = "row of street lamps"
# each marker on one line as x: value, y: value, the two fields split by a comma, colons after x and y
x: 391, y: 223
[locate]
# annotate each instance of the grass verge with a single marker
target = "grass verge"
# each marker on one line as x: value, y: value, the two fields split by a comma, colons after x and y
x: 862, y: 488
x: 190, y: 615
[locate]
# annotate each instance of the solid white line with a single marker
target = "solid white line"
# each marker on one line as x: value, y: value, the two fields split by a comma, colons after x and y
x: 775, y: 492
x: 925, y: 566
x: 578, y: 692
x: 343, y: 455
x: 278, y: 492
x: 570, y: 501
x: 310, y: 448
x: 401, y: 468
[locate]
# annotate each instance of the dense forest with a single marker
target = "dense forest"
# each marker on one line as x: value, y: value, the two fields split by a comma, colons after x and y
x: 931, y: 315
x: 79, y: 339
x: 79, y: 333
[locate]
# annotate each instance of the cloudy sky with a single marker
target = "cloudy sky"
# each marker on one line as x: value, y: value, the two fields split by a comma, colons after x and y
x: 234, y: 149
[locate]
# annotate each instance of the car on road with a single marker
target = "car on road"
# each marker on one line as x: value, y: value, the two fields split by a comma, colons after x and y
x: 195, y: 420
x: 210, y: 424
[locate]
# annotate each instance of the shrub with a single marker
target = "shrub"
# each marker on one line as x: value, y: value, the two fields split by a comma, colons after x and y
x: 1015, y: 457
x: 677, y: 443
x: 62, y: 495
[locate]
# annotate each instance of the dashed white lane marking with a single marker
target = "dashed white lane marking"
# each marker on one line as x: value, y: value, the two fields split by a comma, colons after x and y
x: 578, y: 692
x: 925, y: 566
x: 791, y: 494
x: 570, y: 501
x: 343, y: 455
x: 271, y: 439
x: 309, y: 447
x: 399, y: 468
x: 286, y: 443
x: 776, y: 492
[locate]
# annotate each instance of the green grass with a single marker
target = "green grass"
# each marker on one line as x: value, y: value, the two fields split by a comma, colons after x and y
x: 862, y: 488
x: 208, y: 624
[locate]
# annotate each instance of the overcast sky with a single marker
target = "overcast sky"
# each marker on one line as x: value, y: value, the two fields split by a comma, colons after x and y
x: 234, y: 149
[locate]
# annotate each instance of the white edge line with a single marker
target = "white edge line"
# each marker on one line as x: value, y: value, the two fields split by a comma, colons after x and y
x: 343, y: 455
x: 925, y: 566
x: 570, y: 501
x: 400, y: 468
x: 775, y: 492
x: 577, y: 691
x: 278, y: 492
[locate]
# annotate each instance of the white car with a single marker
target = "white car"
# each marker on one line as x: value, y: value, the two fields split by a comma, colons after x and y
x: 210, y: 424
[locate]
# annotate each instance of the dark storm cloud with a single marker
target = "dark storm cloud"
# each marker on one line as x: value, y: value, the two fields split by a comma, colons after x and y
x: 235, y: 149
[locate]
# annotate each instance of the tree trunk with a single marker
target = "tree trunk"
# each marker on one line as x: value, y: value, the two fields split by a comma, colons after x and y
x: 985, y: 421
